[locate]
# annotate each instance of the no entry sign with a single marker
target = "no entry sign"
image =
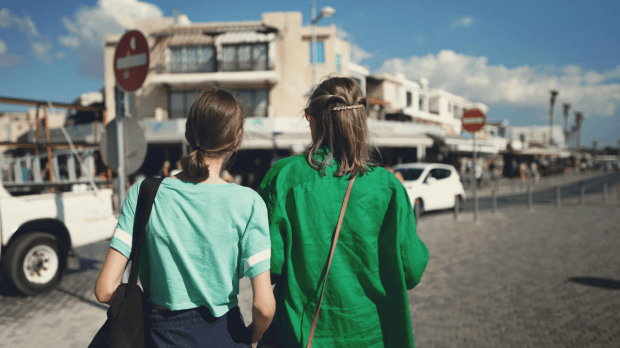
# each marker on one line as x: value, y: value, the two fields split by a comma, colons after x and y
x: 473, y: 120
x: 131, y: 61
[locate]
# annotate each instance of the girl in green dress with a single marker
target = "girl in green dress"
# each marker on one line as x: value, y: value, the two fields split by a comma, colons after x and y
x: 378, y: 256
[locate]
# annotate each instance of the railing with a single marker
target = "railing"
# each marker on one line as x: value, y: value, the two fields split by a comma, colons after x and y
x: 27, y: 170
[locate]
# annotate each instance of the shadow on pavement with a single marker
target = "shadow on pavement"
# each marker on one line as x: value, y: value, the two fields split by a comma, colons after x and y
x: 83, y: 299
x: 598, y: 282
x: 7, y: 289
x: 85, y: 265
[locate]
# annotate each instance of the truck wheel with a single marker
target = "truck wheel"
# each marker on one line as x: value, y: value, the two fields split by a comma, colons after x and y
x: 34, y: 263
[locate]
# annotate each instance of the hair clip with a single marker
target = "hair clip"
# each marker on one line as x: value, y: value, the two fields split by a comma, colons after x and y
x: 356, y: 106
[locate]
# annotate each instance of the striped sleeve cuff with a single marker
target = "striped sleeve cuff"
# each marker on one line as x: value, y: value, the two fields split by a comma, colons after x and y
x: 122, y: 242
x: 258, y: 263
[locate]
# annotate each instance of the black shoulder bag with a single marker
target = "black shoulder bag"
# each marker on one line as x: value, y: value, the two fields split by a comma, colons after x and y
x: 125, y: 324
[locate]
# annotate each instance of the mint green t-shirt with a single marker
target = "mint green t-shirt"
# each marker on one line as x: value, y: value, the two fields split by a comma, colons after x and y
x: 200, y: 240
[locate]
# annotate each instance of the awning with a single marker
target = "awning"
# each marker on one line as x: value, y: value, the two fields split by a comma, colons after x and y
x: 281, y: 133
x: 461, y: 144
x: 541, y: 151
x: 246, y: 77
x: 399, y: 140
x: 191, y: 39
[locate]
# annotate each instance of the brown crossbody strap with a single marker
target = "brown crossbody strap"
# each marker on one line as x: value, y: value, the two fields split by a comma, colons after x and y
x: 329, y: 262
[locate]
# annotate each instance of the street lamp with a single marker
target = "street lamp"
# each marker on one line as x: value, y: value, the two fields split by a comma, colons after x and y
x: 554, y: 94
x: 325, y: 12
x: 578, y: 120
x: 566, y: 132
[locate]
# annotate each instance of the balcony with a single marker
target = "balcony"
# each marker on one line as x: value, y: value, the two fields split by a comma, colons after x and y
x: 233, y: 77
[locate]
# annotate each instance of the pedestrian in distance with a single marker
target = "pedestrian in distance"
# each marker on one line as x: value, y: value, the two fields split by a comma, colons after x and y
x: 203, y: 235
x: 164, y: 171
x: 378, y: 256
x: 396, y: 173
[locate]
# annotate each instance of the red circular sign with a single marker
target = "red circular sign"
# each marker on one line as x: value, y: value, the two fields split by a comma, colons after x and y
x: 131, y: 61
x: 473, y: 120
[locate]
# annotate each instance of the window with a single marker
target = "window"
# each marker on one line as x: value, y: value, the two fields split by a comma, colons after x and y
x: 244, y: 57
x: 254, y: 102
x: 410, y: 174
x: 192, y: 59
x: 179, y: 103
x: 438, y: 173
x: 409, y: 99
x: 449, y: 107
x: 421, y: 103
x: 458, y: 112
x: 338, y: 67
x: 445, y: 173
x: 320, y: 58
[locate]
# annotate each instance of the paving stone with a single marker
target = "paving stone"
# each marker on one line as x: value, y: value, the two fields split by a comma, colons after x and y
x: 504, y: 282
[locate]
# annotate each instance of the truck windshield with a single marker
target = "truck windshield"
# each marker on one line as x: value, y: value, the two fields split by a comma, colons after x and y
x: 410, y: 174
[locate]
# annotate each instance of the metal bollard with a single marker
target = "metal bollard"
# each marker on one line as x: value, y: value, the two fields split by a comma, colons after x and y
x: 582, y: 193
x: 529, y: 192
x: 497, y: 184
x: 558, y: 197
x: 494, y: 202
x: 605, y: 192
x: 457, y: 203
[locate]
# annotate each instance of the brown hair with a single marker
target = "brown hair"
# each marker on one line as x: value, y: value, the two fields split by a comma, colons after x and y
x: 214, y: 128
x: 339, y: 109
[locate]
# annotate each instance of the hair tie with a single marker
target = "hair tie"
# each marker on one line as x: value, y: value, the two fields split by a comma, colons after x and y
x: 356, y: 106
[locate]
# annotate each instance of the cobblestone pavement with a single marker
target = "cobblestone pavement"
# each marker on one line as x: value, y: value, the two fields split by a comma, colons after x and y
x: 546, y: 278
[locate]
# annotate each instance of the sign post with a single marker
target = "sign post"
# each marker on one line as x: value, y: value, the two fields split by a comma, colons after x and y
x: 472, y: 121
x: 131, y: 65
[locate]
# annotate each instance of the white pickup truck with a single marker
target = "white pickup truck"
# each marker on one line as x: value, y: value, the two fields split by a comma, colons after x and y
x: 39, y: 232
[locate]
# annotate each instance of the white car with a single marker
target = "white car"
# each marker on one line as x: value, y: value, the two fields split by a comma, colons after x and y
x: 432, y: 186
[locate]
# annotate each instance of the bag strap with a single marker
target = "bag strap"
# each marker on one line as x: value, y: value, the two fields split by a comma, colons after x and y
x: 331, y: 255
x: 146, y: 197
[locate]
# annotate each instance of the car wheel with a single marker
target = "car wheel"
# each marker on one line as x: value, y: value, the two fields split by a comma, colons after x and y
x: 34, y: 263
x: 419, y: 207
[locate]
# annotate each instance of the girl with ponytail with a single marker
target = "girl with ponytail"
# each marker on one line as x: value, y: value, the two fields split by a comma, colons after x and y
x: 203, y: 235
x: 378, y: 255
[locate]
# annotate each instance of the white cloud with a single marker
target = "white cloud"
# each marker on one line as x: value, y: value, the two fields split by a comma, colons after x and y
x: 463, y: 22
x: 69, y: 41
x: 87, y: 27
x: 497, y: 85
x: 7, y: 59
x: 61, y: 55
x: 358, y: 54
x: 39, y: 46
x: 11, y: 21
x: 41, y: 50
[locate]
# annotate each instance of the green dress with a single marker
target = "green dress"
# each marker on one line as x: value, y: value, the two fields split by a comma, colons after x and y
x: 378, y: 257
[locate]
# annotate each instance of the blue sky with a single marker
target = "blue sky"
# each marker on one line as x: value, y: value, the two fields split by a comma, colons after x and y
x: 506, y: 54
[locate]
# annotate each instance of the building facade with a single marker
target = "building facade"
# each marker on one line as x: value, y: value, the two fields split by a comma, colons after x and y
x: 527, y: 136
x: 267, y: 63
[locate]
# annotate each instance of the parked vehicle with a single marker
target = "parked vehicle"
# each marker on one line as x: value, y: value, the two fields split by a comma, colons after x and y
x: 38, y: 232
x: 431, y: 186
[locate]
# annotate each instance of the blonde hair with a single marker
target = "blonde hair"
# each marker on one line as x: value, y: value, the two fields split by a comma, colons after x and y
x: 339, y: 108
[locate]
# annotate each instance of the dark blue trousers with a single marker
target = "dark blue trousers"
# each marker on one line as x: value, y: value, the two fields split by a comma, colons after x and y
x: 196, y: 327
